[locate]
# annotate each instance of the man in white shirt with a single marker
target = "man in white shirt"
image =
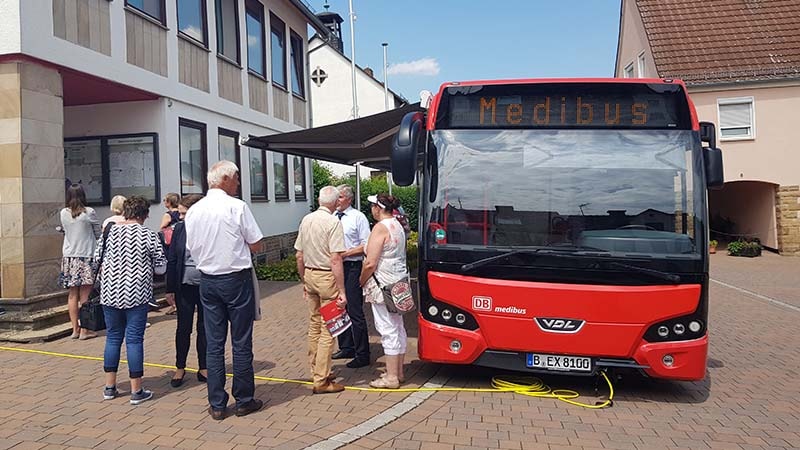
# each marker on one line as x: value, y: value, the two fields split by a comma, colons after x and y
x: 353, y: 344
x: 220, y: 234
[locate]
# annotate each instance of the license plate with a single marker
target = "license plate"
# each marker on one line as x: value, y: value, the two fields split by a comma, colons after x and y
x: 559, y: 362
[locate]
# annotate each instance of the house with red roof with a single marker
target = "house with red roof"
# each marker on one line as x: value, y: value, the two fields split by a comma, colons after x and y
x: 740, y: 60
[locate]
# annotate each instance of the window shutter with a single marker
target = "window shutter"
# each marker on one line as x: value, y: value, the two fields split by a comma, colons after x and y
x: 735, y: 115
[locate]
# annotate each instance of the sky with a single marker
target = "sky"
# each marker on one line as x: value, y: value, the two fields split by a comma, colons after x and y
x: 437, y: 41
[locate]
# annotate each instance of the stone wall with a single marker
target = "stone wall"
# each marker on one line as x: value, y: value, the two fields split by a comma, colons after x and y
x: 31, y: 178
x: 787, y: 211
x: 277, y: 247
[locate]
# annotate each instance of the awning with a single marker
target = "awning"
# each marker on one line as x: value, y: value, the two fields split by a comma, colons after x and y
x: 366, y: 140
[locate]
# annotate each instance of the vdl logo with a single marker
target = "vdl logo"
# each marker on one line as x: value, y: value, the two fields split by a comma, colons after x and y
x: 555, y: 325
x: 480, y: 303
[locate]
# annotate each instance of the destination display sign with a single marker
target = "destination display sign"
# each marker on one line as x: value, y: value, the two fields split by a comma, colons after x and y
x: 596, y: 105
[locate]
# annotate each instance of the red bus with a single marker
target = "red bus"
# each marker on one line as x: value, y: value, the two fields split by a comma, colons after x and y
x: 563, y: 225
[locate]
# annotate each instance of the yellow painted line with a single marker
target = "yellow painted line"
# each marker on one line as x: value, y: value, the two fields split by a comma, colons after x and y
x: 523, y: 385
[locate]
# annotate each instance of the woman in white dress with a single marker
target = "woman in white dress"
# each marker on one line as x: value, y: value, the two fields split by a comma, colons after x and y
x: 386, y: 261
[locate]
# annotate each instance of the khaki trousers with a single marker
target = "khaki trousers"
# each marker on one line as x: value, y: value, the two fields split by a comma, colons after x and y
x: 320, y: 289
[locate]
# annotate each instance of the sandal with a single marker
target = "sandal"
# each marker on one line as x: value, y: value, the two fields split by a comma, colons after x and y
x: 400, y: 379
x: 383, y: 383
x: 171, y: 311
x: 87, y: 336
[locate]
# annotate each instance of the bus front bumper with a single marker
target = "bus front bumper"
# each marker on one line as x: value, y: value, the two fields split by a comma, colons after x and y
x: 679, y: 360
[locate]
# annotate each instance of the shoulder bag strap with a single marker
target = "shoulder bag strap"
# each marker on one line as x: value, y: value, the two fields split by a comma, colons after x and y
x: 376, y: 280
x: 103, y: 251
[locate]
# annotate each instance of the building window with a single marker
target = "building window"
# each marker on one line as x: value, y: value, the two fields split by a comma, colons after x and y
x: 192, y: 20
x: 228, y: 146
x: 628, y: 73
x: 736, y: 118
x: 113, y: 165
x: 281, y: 173
x: 258, y: 174
x: 153, y: 8
x: 193, y: 157
x: 278, y: 43
x: 299, y: 177
x: 256, y: 62
x: 228, y: 29
x: 298, y: 68
x: 640, y: 63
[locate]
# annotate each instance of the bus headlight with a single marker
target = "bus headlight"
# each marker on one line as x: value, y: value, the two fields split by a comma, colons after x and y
x: 676, y: 329
x: 668, y: 360
x: 455, y: 346
x: 443, y: 314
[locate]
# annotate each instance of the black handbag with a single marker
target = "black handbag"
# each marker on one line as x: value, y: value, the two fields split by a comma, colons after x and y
x: 398, y: 296
x: 90, y: 315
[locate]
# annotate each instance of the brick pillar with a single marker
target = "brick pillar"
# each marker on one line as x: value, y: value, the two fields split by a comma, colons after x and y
x: 31, y: 178
x: 787, y: 212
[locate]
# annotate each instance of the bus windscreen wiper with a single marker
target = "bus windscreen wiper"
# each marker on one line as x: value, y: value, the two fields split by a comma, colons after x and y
x: 652, y: 272
x: 554, y: 251
x: 481, y: 262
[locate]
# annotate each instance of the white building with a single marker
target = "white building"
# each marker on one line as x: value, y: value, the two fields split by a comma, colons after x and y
x: 141, y: 97
x: 332, y: 87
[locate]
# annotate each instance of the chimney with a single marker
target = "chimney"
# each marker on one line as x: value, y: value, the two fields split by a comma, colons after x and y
x: 333, y: 22
x: 369, y: 72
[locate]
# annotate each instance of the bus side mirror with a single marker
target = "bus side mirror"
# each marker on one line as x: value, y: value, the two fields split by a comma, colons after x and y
x: 714, y: 175
x: 405, y: 147
x: 712, y: 156
x: 708, y: 134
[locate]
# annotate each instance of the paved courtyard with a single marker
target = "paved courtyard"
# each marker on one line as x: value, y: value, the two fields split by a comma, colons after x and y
x: 750, y: 398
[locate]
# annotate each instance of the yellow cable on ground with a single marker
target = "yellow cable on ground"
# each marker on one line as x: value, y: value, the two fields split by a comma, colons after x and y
x: 522, y: 385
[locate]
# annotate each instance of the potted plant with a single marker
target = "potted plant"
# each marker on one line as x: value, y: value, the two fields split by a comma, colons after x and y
x: 712, y: 246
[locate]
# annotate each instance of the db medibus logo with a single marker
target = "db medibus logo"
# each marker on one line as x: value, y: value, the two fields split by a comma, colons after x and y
x: 481, y: 303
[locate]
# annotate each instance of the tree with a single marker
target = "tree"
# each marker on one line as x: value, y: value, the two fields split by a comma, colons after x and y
x: 323, y: 176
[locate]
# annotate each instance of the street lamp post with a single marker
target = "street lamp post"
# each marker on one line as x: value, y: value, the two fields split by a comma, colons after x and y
x: 386, y: 103
x: 355, y: 94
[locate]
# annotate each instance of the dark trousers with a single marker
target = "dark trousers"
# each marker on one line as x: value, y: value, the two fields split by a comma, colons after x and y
x: 188, y: 299
x: 228, y: 299
x: 355, y: 342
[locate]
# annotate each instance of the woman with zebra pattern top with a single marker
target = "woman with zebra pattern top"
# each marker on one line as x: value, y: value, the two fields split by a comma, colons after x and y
x: 132, y: 255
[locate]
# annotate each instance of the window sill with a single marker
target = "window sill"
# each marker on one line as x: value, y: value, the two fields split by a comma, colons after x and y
x: 146, y: 17
x: 258, y: 75
x: 282, y: 200
x: 229, y: 61
x: 734, y: 139
x: 258, y: 199
x: 298, y: 96
x: 194, y: 42
x: 301, y: 199
x: 279, y: 86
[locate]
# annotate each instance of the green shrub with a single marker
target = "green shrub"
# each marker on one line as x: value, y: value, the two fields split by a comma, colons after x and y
x: 412, y: 255
x: 284, y: 270
x: 744, y: 248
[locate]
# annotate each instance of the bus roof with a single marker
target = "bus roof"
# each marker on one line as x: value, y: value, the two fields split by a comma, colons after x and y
x: 671, y: 81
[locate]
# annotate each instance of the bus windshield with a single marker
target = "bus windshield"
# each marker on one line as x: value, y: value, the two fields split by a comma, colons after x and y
x: 622, y: 191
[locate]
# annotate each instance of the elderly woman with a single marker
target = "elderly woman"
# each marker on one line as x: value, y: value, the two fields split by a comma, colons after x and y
x: 386, y: 262
x: 81, y: 230
x: 116, y: 209
x: 183, y: 289
x: 130, y: 256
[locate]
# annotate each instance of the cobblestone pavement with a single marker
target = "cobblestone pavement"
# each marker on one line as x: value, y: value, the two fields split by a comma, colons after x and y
x: 750, y: 398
